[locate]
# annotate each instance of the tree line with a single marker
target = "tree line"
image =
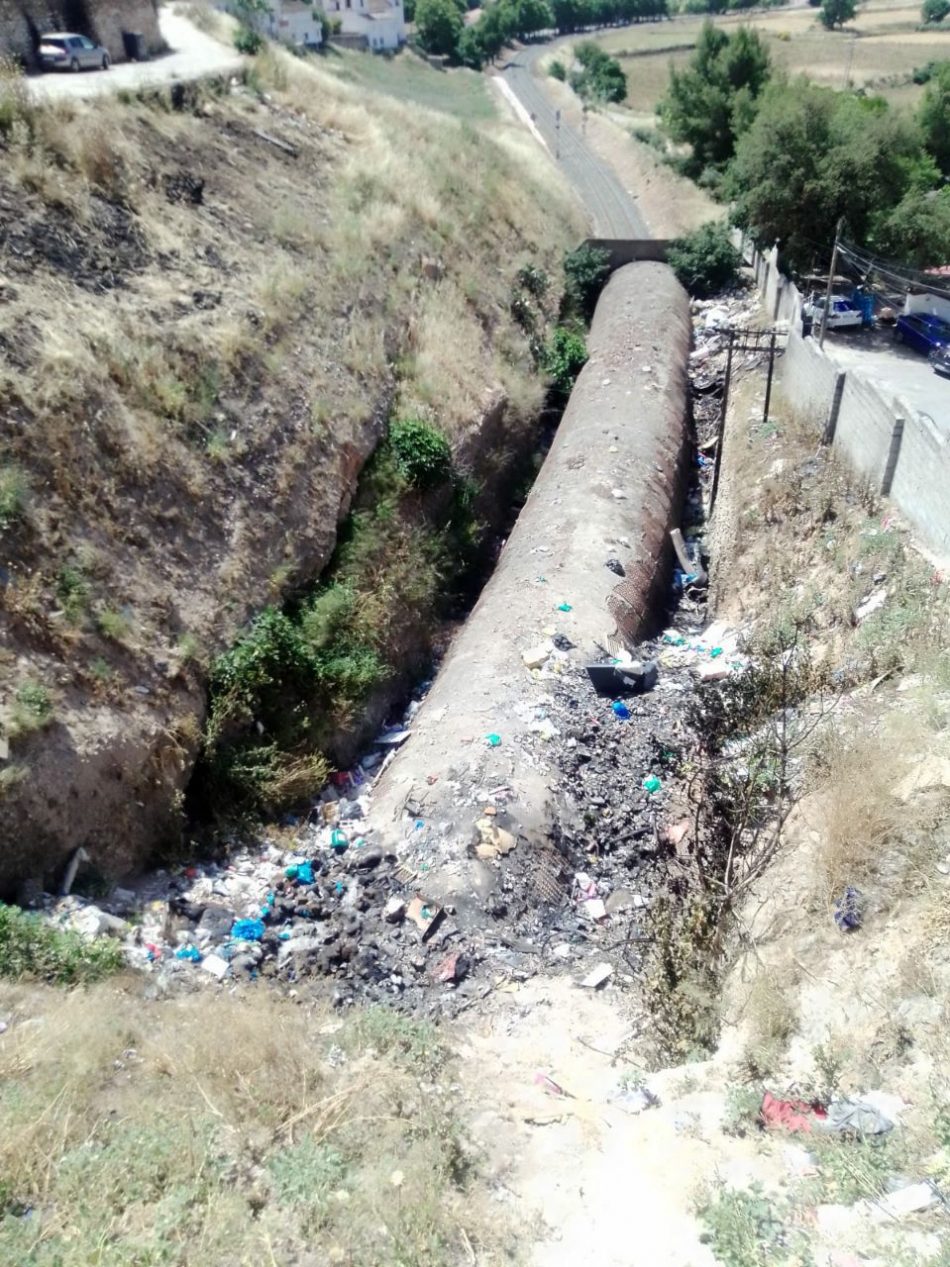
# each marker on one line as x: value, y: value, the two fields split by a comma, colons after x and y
x: 441, y: 28
x: 792, y: 157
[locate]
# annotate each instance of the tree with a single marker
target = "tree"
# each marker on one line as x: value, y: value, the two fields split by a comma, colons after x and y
x: 709, y: 103
x: 917, y: 230
x: 934, y: 11
x: 934, y: 116
x: 438, y: 26
x: 704, y: 261
x: 812, y: 155
x: 601, y: 77
x: 837, y: 12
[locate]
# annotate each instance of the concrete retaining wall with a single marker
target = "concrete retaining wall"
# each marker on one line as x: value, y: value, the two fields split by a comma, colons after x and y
x: 883, y: 438
x: 22, y: 22
x: 609, y: 488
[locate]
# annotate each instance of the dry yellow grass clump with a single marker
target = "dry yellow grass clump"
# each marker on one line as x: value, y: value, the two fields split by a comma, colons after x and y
x: 211, y: 1130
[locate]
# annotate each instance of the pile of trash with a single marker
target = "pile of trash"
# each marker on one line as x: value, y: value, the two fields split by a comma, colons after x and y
x: 324, y: 898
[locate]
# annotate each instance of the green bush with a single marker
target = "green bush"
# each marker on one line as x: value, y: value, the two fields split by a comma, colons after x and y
x: 934, y: 11
x: 421, y: 453
x: 32, y: 709
x: 705, y: 261
x: 585, y: 271
x: 247, y: 40
x: 564, y: 358
x: 557, y: 70
x: 32, y: 948
x: 601, y: 77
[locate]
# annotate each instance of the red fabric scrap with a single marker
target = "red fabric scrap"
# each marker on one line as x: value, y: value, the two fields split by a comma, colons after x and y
x: 796, y: 1116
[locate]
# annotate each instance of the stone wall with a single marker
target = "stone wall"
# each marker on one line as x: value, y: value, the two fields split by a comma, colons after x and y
x: 22, y: 22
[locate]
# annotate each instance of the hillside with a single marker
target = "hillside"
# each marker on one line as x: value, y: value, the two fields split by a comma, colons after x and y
x: 211, y: 306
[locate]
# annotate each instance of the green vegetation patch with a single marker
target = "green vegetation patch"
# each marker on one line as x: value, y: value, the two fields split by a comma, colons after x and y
x: 34, y: 949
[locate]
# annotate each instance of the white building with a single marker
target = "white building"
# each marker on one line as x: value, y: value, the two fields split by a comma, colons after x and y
x: 290, y: 21
x: 382, y: 23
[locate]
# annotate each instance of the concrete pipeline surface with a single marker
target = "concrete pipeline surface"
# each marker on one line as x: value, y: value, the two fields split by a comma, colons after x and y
x: 609, y: 490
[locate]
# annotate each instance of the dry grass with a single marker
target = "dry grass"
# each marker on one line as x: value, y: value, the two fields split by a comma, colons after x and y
x: 201, y: 337
x: 211, y: 1130
x: 882, y: 44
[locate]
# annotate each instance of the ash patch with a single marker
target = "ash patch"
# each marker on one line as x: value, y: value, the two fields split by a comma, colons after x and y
x: 96, y: 256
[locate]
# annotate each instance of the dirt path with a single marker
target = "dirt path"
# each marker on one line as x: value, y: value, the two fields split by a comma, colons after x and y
x: 602, y: 1186
x: 626, y: 188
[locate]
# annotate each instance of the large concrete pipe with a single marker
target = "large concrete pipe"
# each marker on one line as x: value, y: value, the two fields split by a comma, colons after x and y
x: 609, y: 489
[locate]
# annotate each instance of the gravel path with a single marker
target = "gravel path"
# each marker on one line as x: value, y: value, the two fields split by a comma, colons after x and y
x: 607, y: 202
x: 192, y: 55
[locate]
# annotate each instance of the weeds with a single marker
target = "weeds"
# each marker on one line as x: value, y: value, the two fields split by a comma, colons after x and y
x: 743, y: 1229
x: 113, y: 624
x: 32, y: 709
x: 13, y: 493
x: 585, y: 270
x: 31, y: 948
x: 195, y: 1131
x: 73, y: 592
x: 741, y: 1110
x: 564, y: 358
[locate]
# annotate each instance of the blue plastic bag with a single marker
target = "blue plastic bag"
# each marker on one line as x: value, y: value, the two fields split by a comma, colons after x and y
x: 248, y: 930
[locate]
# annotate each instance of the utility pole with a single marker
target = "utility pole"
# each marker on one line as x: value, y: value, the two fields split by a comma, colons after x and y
x: 831, y: 281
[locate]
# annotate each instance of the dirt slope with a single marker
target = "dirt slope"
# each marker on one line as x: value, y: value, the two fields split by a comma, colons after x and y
x: 207, y: 315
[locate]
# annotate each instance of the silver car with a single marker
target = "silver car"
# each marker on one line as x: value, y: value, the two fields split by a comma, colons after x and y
x: 60, y: 50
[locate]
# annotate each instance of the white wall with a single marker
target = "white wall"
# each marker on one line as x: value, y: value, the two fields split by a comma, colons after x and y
x: 931, y: 304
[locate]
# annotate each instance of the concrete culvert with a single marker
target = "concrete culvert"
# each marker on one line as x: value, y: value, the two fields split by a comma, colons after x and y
x: 609, y: 490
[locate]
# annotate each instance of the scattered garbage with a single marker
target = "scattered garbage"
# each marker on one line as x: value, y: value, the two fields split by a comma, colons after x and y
x: 848, y: 910
x: 536, y: 657
x: 910, y: 1199
x: 873, y: 603
x: 564, y: 607
x: 651, y: 784
x: 597, y: 976
x: 844, y: 1116
x: 493, y: 740
x: 248, y: 930
x: 619, y: 709
x: 425, y: 914
x: 634, y: 1099
x: 619, y: 677
x: 615, y: 566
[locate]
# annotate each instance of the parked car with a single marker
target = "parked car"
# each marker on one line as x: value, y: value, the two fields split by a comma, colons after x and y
x: 922, y: 332
x: 62, y: 51
x: 842, y: 313
x: 940, y: 360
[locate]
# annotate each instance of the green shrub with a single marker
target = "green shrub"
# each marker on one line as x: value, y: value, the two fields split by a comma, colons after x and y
x: 113, y: 624
x: 585, y: 271
x: 744, y: 1229
x: 601, y: 77
x: 30, y: 947
x: 557, y: 70
x: 933, y: 11
x: 248, y: 41
x: 421, y: 453
x: 564, y: 358
x: 13, y: 490
x: 72, y: 591
x: 705, y: 261
x: 32, y: 709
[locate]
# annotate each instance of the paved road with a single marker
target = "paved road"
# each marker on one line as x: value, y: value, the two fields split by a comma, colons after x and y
x: 608, y: 204
x: 895, y: 370
x: 192, y: 55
